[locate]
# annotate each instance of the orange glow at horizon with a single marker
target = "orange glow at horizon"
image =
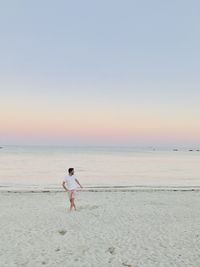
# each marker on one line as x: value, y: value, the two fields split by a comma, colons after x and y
x: 96, y: 121
x: 100, y: 128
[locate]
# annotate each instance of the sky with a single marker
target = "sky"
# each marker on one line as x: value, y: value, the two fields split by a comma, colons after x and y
x: 100, y: 72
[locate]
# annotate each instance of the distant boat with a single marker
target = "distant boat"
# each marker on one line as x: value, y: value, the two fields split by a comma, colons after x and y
x: 190, y: 150
x: 175, y: 149
x: 197, y: 150
x: 1, y: 147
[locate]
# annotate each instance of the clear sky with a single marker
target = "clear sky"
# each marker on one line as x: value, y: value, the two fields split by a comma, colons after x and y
x: 100, y: 72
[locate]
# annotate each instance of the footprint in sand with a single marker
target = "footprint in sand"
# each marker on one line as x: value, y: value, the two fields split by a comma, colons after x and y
x: 111, y: 250
x: 127, y: 265
x: 62, y: 232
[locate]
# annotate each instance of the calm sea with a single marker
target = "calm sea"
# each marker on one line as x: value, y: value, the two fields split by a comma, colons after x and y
x: 45, y: 167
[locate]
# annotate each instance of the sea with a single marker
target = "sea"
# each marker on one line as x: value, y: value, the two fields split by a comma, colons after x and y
x: 44, y: 167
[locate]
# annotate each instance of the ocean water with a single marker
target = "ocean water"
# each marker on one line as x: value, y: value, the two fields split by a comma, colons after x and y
x: 44, y: 167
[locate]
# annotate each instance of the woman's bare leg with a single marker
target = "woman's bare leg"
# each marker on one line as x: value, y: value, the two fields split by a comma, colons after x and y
x: 73, y: 204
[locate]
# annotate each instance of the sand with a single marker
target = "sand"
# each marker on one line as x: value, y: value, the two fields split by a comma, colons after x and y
x: 135, y: 229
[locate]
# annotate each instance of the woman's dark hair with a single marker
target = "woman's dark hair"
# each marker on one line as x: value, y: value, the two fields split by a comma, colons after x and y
x: 70, y: 170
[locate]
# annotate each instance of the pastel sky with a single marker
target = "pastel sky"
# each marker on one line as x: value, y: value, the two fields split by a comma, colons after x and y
x: 100, y: 72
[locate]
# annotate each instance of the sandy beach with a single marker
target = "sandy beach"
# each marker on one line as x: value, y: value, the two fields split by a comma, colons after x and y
x: 134, y: 229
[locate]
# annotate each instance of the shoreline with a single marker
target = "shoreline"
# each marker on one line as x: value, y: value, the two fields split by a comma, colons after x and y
x: 5, y: 189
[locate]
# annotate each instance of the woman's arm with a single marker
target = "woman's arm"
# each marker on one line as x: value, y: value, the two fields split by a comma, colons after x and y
x: 63, y: 184
x: 78, y: 183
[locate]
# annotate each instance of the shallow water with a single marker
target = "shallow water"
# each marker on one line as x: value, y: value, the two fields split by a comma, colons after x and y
x: 36, y: 167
